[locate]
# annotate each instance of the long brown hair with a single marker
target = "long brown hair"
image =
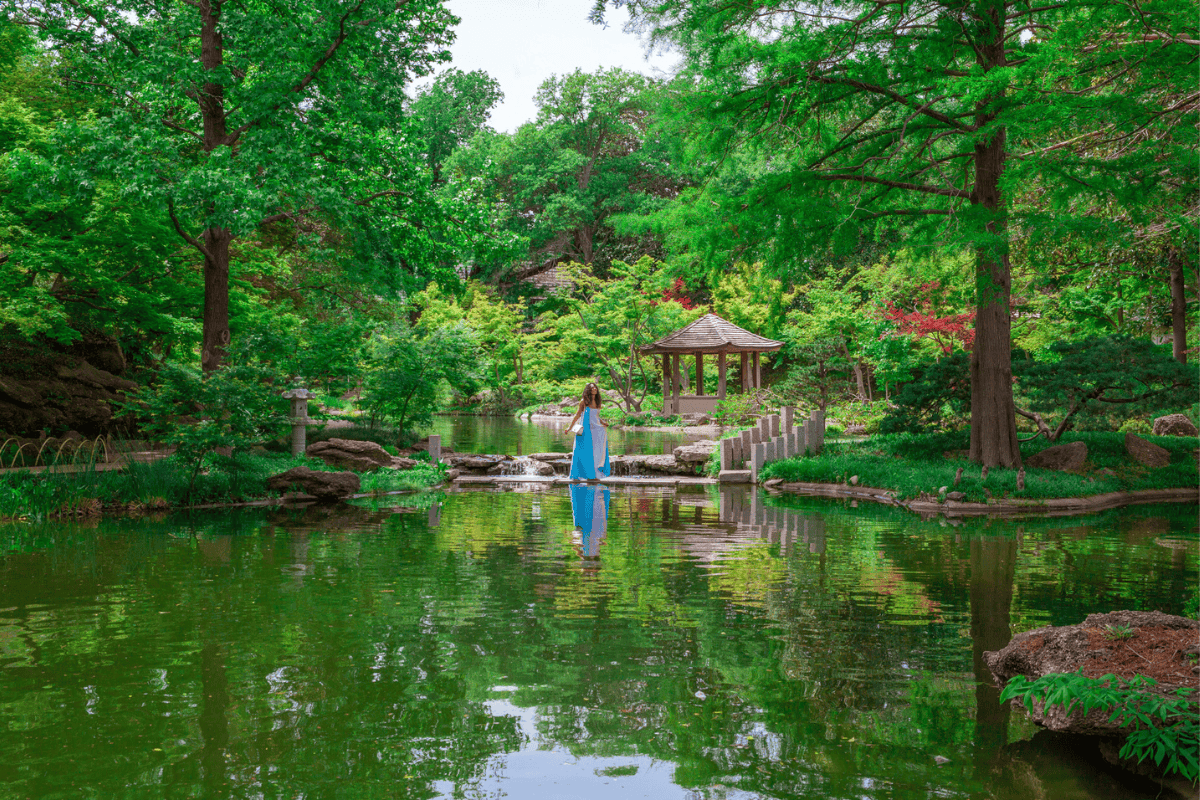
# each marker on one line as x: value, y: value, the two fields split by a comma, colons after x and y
x: 583, y: 398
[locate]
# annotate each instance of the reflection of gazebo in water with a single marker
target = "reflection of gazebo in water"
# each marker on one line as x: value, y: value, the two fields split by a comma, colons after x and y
x: 709, y: 335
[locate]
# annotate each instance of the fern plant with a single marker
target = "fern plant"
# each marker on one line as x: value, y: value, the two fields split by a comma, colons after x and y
x: 1162, y: 728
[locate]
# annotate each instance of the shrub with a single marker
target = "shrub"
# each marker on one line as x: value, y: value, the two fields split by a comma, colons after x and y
x: 1135, y: 425
x: 939, y: 398
x: 1161, y: 728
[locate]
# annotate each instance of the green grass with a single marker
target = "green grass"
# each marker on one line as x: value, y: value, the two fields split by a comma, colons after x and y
x: 909, y: 464
x: 422, y: 476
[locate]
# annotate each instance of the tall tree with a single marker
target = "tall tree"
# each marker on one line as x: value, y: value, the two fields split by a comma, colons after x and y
x: 588, y: 157
x: 233, y: 116
x: 451, y: 110
x: 935, y: 114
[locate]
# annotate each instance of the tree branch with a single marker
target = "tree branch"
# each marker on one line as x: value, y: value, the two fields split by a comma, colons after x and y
x: 187, y: 237
x: 312, y: 73
x: 912, y: 187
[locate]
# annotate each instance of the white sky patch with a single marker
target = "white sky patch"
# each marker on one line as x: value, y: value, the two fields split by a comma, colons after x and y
x: 520, y: 43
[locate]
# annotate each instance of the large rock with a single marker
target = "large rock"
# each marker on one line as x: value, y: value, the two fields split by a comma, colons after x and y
x: 1063, y: 457
x: 695, y: 453
x: 1067, y: 649
x: 476, y: 463
x: 1147, y: 453
x: 666, y: 464
x: 550, y: 457
x: 325, y: 486
x: 356, y: 455
x: 1174, y: 425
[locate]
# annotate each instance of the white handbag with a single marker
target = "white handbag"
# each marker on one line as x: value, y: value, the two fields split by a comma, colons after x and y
x: 577, y: 428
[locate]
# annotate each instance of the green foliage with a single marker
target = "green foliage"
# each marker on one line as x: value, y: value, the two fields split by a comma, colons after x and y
x: 738, y: 409
x: 451, y: 110
x: 1118, y: 632
x: 1103, y: 372
x: 382, y: 435
x: 270, y: 121
x: 1110, y: 375
x: 200, y: 414
x: 609, y: 320
x: 938, y: 398
x: 406, y: 369
x: 422, y: 476
x: 559, y: 182
x: 1162, y: 728
x: 498, y: 328
x: 749, y: 298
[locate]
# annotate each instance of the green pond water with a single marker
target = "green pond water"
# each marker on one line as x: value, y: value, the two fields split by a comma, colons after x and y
x: 519, y: 437
x: 554, y: 643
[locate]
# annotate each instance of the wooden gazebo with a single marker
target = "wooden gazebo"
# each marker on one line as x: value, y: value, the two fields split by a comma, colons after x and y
x: 709, y: 335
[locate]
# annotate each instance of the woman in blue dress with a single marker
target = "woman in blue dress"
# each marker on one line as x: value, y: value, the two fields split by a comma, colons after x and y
x: 589, y: 458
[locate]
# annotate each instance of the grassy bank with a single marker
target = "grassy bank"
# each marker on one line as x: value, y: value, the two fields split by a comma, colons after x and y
x: 164, y: 484
x: 909, y: 464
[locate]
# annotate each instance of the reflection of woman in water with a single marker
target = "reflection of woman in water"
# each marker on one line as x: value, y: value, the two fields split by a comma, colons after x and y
x: 589, y: 459
x: 589, y: 509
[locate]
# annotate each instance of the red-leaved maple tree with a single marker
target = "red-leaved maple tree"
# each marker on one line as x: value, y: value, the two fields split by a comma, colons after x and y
x: 945, y: 330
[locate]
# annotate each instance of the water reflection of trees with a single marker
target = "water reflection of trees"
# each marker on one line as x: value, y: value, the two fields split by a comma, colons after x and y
x: 785, y: 651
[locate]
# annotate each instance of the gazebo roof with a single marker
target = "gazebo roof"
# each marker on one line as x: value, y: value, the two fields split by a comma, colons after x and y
x: 711, y: 334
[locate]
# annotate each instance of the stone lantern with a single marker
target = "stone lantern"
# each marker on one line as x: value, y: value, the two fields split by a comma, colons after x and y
x: 298, y: 417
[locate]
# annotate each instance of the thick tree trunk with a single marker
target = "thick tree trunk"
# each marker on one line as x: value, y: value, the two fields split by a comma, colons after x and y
x: 211, y: 100
x: 1178, y: 309
x: 993, y: 413
x: 216, y: 298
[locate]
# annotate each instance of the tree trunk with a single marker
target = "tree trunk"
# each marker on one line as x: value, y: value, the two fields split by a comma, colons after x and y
x: 1178, y: 309
x: 216, y: 298
x: 993, y: 413
x: 211, y: 100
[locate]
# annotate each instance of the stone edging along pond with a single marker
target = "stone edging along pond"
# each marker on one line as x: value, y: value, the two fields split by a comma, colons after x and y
x: 1059, y: 506
x: 1051, y: 506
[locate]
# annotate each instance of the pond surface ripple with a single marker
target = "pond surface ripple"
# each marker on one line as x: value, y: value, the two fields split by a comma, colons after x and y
x: 551, y: 643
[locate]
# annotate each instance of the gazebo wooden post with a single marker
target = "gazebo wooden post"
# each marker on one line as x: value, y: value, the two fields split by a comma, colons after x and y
x: 699, y: 376
x: 721, y: 376
x: 743, y: 373
x: 683, y: 375
x: 675, y: 383
x: 666, y: 376
x: 757, y: 371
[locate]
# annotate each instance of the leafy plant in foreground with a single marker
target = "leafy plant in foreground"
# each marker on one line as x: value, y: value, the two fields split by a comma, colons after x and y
x: 1164, y: 728
x: 201, y: 414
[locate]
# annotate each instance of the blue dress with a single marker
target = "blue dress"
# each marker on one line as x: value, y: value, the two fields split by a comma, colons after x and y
x: 589, y: 512
x: 589, y: 458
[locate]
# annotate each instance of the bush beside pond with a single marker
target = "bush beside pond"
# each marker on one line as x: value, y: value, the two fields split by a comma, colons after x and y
x: 909, y: 464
